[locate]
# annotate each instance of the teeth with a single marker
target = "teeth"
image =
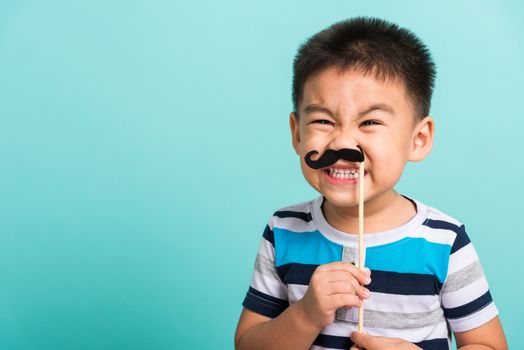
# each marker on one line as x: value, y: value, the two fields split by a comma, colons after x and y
x: 343, y: 173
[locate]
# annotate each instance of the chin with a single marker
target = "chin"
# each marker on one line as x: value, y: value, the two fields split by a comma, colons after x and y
x: 342, y: 199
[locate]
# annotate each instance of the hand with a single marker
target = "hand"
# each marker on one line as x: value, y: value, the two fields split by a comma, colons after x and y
x: 332, y: 286
x: 370, y: 342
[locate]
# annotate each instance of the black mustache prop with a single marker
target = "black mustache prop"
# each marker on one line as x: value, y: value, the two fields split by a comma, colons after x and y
x: 331, y: 156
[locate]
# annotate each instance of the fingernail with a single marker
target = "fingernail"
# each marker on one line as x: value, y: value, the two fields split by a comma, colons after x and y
x: 367, y: 271
x: 366, y: 293
x: 367, y: 280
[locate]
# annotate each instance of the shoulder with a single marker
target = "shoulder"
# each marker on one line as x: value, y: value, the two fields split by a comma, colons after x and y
x: 300, y: 212
x: 293, y: 218
x: 302, y: 207
x: 446, y: 228
x: 434, y: 214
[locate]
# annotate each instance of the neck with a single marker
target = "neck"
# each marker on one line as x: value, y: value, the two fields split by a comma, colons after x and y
x: 385, y: 212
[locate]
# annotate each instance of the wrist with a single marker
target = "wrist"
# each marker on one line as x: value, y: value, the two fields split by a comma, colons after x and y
x: 306, y: 322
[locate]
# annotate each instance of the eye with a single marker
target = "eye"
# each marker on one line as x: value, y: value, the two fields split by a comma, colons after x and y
x: 369, y: 123
x: 323, y: 122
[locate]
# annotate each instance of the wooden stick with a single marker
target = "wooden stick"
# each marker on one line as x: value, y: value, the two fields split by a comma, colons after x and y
x: 361, y: 236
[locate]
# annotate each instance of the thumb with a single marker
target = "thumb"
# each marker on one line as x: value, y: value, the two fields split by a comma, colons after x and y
x: 363, y: 340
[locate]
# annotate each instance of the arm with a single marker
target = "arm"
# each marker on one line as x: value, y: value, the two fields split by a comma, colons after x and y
x: 332, y: 286
x: 489, y: 336
x: 287, y: 331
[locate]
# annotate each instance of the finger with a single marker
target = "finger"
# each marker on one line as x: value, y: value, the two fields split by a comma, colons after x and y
x: 336, y: 277
x: 344, y: 300
x: 360, y: 290
x: 339, y: 275
x: 347, y: 287
x: 366, y: 341
x: 363, y: 276
x: 364, y: 293
x: 340, y: 265
x: 340, y: 287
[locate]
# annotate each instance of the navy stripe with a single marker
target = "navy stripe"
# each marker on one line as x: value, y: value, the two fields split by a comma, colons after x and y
x: 294, y: 214
x: 295, y: 273
x: 462, y: 238
x: 264, y: 304
x: 469, y: 308
x: 269, y: 236
x: 404, y: 283
x: 333, y: 341
x: 434, y: 344
x: 338, y: 342
x: 381, y: 281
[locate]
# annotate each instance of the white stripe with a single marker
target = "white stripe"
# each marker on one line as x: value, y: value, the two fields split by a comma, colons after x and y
x: 296, y: 292
x: 435, y: 214
x: 316, y: 347
x: 266, y: 249
x: 402, y: 303
x: 265, y: 282
x: 466, y: 294
x: 461, y: 258
x: 405, y: 309
x: 434, y: 235
x: 381, y: 301
x: 302, y: 206
x: 293, y: 224
x: 414, y: 335
x: 268, y: 285
x: 474, y: 320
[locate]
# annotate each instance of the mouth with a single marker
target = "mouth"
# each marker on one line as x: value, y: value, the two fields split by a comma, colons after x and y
x: 338, y: 175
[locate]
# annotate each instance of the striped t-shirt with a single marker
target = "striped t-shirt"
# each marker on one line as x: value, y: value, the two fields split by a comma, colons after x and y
x: 426, y: 276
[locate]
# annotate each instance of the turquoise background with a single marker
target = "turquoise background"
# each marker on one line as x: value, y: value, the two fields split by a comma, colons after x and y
x: 144, y: 145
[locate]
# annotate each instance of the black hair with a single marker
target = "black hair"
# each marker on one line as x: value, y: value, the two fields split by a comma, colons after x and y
x: 371, y: 45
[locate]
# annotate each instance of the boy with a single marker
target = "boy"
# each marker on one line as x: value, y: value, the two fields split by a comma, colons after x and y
x: 365, y: 84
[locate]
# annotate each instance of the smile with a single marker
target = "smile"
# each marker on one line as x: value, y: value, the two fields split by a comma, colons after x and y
x: 338, y: 173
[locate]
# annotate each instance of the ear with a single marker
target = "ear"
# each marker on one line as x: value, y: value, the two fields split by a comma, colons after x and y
x: 422, y: 139
x: 295, y: 131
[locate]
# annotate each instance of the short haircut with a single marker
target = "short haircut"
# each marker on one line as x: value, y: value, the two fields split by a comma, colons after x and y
x: 370, y: 45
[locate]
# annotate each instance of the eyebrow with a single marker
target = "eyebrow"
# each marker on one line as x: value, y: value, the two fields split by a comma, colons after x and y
x: 377, y: 106
x: 317, y: 108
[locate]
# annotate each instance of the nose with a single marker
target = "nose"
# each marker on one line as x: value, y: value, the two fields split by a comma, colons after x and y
x: 343, y: 138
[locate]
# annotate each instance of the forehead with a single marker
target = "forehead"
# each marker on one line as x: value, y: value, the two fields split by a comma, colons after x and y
x: 355, y: 90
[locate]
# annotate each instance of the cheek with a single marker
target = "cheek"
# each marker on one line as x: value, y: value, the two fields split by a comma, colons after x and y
x: 387, y: 158
x: 313, y: 140
x: 310, y: 175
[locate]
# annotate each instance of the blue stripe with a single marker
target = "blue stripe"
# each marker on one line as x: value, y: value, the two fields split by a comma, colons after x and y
x: 469, y: 308
x: 294, y: 214
x: 264, y: 304
x: 410, y: 255
x: 462, y: 238
x: 381, y: 281
x: 268, y: 235
x: 304, y: 248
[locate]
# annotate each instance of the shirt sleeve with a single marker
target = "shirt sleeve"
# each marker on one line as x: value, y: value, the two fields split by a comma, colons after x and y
x: 465, y: 294
x: 267, y: 295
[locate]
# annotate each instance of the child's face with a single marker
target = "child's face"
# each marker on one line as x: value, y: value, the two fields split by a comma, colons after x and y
x: 346, y: 109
